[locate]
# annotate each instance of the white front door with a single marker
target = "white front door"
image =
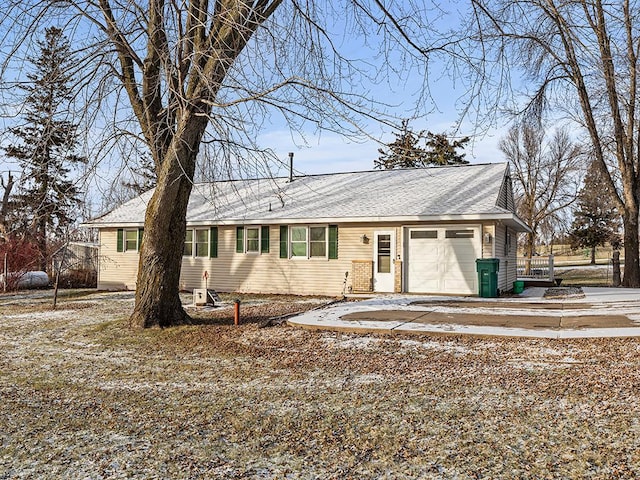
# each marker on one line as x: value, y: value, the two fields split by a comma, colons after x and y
x: 383, y: 255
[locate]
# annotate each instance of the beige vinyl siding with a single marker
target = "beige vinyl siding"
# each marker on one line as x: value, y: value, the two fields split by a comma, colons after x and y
x: 512, y: 271
x: 508, y: 272
x: 488, y: 248
x: 497, y: 249
x: 511, y: 206
x: 268, y: 273
x: 117, y: 270
x: 499, y: 243
x: 505, y: 197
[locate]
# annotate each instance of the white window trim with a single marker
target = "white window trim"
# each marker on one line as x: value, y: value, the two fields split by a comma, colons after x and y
x: 124, y: 240
x: 308, y: 256
x: 246, y: 240
x: 193, y: 243
x: 207, y: 242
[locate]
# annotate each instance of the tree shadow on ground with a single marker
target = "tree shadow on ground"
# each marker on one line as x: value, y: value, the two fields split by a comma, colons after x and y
x: 255, y: 309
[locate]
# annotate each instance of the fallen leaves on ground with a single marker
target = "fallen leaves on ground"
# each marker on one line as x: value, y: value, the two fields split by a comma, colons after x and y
x: 82, y: 396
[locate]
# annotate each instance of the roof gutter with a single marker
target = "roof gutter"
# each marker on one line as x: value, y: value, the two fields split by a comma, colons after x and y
x: 508, y: 219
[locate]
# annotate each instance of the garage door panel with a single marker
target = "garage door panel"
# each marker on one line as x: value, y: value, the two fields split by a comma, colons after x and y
x: 459, y: 286
x: 462, y: 250
x: 464, y: 266
x: 459, y: 254
x: 427, y: 261
x: 426, y: 284
x: 424, y: 268
x: 454, y: 264
x: 460, y: 277
x: 445, y: 262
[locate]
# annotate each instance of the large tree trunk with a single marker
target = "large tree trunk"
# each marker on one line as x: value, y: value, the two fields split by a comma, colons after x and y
x: 41, y: 242
x: 530, y: 248
x: 158, y: 283
x: 4, y: 206
x: 631, y: 276
x: 616, y: 268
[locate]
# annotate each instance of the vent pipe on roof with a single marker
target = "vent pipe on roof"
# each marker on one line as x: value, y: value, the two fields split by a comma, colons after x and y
x: 290, y: 166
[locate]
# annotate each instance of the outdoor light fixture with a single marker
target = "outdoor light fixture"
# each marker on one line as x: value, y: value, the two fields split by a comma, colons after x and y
x: 488, y: 238
x: 364, y: 238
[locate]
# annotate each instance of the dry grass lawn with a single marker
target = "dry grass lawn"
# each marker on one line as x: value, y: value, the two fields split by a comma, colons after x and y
x: 595, y: 276
x: 81, y: 396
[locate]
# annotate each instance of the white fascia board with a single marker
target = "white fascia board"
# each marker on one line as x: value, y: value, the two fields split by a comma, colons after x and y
x: 395, y: 219
x: 516, y: 223
x: 507, y: 218
x: 112, y: 224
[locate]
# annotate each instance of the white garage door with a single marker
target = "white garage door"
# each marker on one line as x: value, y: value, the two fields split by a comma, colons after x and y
x: 443, y: 259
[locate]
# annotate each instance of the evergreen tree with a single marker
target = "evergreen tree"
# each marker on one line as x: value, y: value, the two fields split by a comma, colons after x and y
x: 46, y: 144
x: 442, y: 151
x: 405, y: 151
x: 596, y: 219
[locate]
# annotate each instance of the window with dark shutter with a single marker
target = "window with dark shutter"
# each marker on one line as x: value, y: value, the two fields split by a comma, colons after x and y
x: 264, y: 239
x: 120, y: 241
x: 213, y: 242
x: 239, y: 239
x: 333, y: 242
x: 284, y: 241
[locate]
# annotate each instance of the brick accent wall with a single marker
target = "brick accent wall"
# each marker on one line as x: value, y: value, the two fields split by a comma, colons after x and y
x: 362, y: 276
x: 397, y: 276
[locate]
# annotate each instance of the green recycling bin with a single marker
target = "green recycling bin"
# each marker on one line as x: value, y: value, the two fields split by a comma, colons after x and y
x: 487, y: 269
x: 518, y: 286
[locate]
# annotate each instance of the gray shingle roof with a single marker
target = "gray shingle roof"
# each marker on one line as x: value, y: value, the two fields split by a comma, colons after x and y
x: 427, y: 193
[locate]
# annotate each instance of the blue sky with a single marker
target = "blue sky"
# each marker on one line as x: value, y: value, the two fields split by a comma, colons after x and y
x: 330, y: 153
x: 438, y: 111
x: 327, y: 152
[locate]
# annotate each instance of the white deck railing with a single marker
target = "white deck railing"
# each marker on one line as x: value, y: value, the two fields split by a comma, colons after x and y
x: 539, y: 268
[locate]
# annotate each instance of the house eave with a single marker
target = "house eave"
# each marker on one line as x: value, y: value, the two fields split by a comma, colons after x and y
x: 506, y: 218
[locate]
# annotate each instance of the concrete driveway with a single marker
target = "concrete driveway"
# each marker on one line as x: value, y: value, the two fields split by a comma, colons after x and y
x: 599, y: 312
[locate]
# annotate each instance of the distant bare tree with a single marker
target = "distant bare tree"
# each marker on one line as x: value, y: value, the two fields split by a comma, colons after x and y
x: 579, y: 58
x: 143, y: 176
x: 554, y: 228
x: 545, y: 172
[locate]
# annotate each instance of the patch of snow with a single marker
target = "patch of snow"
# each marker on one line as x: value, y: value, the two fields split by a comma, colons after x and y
x: 353, y: 342
x: 532, y: 365
x: 368, y: 379
x: 44, y: 315
x: 443, y: 346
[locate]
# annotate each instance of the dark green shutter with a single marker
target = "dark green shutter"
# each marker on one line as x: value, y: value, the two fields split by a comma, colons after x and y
x: 284, y: 247
x: 240, y: 239
x: 264, y: 240
x: 333, y: 241
x: 213, y: 242
x: 140, y: 230
x: 120, y: 247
